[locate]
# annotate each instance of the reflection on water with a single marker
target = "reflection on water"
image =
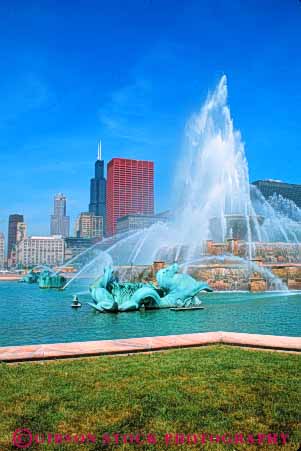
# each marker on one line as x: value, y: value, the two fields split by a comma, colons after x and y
x: 30, y: 315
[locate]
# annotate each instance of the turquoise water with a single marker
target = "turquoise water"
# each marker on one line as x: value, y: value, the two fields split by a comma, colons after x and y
x: 30, y: 315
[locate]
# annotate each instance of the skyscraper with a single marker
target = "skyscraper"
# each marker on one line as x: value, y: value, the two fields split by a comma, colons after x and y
x: 97, y: 204
x: 13, y: 221
x: 60, y: 223
x: 130, y: 189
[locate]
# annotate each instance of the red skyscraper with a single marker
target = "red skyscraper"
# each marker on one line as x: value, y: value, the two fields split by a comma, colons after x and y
x: 130, y: 189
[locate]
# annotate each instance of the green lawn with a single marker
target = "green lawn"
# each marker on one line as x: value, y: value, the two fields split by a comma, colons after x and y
x: 213, y: 390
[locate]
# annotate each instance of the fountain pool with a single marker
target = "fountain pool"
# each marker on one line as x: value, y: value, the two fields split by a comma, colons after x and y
x: 31, y: 316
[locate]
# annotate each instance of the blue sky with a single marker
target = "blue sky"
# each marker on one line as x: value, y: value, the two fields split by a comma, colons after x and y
x: 131, y: 73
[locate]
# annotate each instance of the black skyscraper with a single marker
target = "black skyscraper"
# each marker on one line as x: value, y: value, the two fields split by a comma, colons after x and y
x: 97, y: 204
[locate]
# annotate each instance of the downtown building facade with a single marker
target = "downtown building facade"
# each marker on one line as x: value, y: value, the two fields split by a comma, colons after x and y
x: 2, y: 251
x: 136, y: 222
x: 88, y: 225
x: 21, y: 235
x: 287, y: 190
x: 60, y: 222
x: 41, y: 250
x: 13, y: 222
x: 130, y: 190
x: 21, y: 231
x: 75, y: 246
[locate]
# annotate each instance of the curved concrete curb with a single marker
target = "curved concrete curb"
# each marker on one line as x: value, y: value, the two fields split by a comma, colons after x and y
x: 144, y: 344
x: 261, y: 341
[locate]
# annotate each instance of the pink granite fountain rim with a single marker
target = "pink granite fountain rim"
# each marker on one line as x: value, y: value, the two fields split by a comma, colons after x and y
x: 145, y: 344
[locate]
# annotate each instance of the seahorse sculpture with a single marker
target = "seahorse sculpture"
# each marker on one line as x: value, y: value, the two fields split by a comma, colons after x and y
x: 173, y: 289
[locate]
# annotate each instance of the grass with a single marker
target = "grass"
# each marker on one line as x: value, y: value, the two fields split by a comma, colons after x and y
x: 215, y: 389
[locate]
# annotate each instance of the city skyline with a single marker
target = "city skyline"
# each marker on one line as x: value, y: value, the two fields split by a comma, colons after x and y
x: 60, y: 222
x: 130, y: 193
x: 60, y: 202
x: 135, y: 85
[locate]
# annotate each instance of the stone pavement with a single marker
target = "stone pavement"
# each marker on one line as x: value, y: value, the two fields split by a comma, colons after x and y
x: 145, y: 344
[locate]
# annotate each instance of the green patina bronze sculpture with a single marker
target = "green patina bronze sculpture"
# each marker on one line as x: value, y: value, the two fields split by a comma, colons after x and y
x: 173, y: 289
x: 49, y: 279
x: 45, y: 279
x: 31, y: 277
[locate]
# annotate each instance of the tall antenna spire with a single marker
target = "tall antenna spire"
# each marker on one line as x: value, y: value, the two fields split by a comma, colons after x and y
x: 99, y: 151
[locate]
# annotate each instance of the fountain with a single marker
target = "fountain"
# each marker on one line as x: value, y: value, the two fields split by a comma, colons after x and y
x: 218, y: 211
x: 216, y: 199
